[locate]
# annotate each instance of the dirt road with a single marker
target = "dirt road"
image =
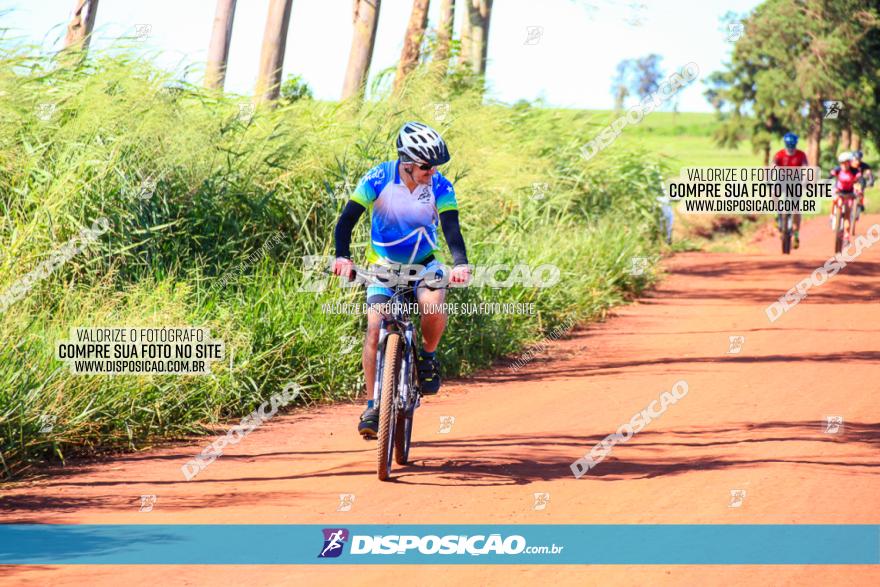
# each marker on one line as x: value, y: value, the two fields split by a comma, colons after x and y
x: 753, y: 421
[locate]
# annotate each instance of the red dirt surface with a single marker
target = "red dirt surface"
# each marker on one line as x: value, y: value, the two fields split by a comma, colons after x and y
x: 753, y: 420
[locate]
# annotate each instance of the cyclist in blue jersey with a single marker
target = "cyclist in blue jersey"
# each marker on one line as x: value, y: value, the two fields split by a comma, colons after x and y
x: 406, y: 199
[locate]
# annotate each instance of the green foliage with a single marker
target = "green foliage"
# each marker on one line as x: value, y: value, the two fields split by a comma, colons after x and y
x: 639, y: 77
x: 193, y: 183
x: 792, y: 57
x: 295, y: 88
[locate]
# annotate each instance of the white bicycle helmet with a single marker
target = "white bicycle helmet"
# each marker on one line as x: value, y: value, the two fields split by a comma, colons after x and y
x: 844, y: 157
x: 419, y: 143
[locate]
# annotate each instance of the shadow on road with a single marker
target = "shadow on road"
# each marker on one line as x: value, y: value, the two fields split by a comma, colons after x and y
x: 609, y: 367
x: 509, y: 470
x: 501, y: 461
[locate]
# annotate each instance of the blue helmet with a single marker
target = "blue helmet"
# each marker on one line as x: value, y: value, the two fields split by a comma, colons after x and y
x: 858, y: 155
x: 790, y: 139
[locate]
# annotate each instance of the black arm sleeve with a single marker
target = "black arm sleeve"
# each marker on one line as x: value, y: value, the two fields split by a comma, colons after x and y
x: 344, y: 227
x: 452, y: 232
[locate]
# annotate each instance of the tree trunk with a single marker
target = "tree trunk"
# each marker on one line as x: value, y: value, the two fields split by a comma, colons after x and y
x: 464, y: 55
x: 835, y: 141
x: 440, y: 63
x: 82, y: 22
x: 845, y: 134
x: 366, y: 16
x: 814, y: 134
x: 412, y: 43
x: 272, y: 55
x: 218, y: 51
x: 479, y: 13
x: 766, y: 154
x: 855, y: 142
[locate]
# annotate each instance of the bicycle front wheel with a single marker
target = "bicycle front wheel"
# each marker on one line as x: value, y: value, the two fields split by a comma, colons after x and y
x: 786, y: 234
x: 838, y: 229
x: 388, y: 406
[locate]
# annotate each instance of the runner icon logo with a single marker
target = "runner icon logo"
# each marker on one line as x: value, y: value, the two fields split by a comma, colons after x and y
x: 541, y: 501
x: 142, y: 31
x: 639, y: 265
x: 736, y: 343
x: 348, y: 343
x: 147, y: 503
x: 246, y: 112
x: 833, y: 424
x: 446, y: 423
x: 441, y: 111
x: 45, y: 111
x: 533, y: 35
x: 147, y: 189
x: 737, y: 497
x: 539, y: 190
x: 346, y: 500
x: 334, y: 540
x: 47, y: 423
x: 833, y: 108
x: 735, y: 31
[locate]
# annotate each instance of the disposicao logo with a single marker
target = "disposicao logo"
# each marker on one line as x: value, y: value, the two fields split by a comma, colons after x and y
x: 334, y: 540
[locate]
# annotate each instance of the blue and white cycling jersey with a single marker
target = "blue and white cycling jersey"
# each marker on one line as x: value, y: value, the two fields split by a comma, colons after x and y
x: 403, y: 224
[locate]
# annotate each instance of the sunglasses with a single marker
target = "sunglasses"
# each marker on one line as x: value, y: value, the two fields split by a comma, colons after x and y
x: 422, y: 166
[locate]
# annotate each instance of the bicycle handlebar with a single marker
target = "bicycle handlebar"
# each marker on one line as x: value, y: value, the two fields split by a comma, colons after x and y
x: 395, y: 279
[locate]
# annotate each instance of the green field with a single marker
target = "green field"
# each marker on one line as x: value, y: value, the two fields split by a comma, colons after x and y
x: 678, y: 139
x: 686, y: 140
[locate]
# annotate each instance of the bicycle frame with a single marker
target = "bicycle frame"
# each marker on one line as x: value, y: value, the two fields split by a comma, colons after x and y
x: 398, y: 320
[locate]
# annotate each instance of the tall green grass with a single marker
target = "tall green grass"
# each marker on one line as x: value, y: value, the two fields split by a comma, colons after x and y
x: 225, y: 184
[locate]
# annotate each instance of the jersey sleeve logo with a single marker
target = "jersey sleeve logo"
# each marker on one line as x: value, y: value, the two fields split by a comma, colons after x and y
x: 376, y: 177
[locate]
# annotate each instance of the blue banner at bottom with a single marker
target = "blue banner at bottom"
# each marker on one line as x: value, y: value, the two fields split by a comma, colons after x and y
x: 716, y: 544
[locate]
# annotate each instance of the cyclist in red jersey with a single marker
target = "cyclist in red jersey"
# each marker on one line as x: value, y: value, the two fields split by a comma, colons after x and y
x: 849, y: 183
x: 792, y: 157
x: 867, y: 176
x: 848, y: 178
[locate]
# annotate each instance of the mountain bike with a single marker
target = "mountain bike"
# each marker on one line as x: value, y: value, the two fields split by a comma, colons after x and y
x: 844, y: 208
x: 396, y: 388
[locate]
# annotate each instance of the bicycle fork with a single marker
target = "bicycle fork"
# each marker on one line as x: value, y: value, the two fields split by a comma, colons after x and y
x: 408, y: 393
x: 380, y: 366
x: 406, y: 367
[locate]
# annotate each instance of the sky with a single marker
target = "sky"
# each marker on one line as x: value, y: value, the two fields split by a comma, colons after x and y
x: 569, y: 61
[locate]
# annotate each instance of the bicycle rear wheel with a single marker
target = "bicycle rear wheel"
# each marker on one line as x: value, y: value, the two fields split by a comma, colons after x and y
x: 786, y: 240
x: 853, y: 216
x: 388, y: 406
x: 403, y: 436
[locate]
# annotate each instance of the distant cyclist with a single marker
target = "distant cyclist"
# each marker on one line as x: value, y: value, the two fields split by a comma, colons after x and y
x: 792, y: 157
x: 406, y: 198
x: 867, y: 175
x: 848, y: 184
